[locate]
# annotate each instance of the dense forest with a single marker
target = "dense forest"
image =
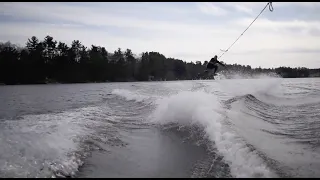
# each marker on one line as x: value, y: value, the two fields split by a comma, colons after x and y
x: 49, y: 61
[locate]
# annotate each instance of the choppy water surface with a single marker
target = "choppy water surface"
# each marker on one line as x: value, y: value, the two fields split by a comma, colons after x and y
x: 222, y: 128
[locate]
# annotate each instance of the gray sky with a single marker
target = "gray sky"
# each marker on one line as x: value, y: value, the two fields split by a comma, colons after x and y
x: 191, y: 31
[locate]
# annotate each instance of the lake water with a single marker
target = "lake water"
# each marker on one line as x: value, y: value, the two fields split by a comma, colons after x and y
x: 222, y: 128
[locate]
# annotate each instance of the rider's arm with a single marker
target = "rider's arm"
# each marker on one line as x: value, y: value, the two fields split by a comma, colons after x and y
x: 221, y: 63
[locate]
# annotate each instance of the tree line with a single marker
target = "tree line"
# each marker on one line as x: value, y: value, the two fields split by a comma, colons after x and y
x: 49, y: 61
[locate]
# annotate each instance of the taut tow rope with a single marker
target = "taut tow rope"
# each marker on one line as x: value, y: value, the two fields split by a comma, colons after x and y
x: 270, y: 9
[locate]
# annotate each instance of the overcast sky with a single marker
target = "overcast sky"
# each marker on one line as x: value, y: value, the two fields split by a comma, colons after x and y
x: 191, y: 31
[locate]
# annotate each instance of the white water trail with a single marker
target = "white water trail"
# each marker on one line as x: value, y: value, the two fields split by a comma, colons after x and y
x: 204, y: 109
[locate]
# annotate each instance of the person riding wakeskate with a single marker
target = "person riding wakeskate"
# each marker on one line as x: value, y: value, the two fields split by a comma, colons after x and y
x: 213, y: 64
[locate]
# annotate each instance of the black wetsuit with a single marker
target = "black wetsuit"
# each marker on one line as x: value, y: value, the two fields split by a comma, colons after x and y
x: 213, y: 64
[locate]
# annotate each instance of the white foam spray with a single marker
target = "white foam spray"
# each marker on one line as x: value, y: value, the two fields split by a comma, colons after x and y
x: 203, y: 109
x: 44, y: 145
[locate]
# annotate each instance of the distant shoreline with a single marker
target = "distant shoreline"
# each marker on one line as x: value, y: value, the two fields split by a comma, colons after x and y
x: 50, y: 62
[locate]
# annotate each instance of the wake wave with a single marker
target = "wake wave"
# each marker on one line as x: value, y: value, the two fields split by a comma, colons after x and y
x: 252, y: 111
x: 204, y: 110
x: 47, y: 145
